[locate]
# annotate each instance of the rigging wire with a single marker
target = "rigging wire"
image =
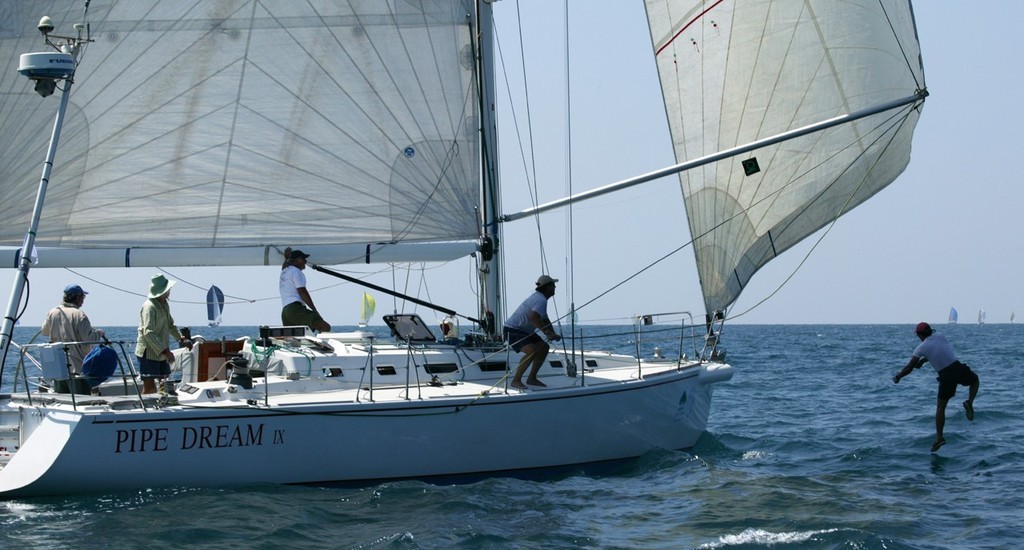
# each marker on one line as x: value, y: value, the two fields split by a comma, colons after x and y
x: 531, y: 175
x: 903, y: 51
x: 237, y: 299
x: 529, y: 163
x: 571, y: 259
x: 9, y: 338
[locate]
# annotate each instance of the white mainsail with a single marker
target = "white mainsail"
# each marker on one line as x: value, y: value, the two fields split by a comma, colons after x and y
x: 725, y: 87
x: 199, y: 129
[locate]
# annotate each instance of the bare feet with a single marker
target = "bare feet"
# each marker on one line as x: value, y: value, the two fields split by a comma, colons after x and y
x: 535, y: 382
x: 518, y: 385
x: 938, y: 443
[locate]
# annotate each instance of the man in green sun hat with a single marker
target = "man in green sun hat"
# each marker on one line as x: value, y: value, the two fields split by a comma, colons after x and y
x: 156, y: 327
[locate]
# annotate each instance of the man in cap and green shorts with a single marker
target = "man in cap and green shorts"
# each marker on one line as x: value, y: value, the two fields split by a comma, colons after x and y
x: 298, y: 308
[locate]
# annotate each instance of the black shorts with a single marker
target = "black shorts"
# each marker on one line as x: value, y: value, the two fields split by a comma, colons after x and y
x: 152, y: 368
x: 517, y: 338
x: 952, y: 376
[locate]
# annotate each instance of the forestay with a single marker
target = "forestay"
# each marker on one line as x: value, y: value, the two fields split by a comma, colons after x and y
x: 736, y: 72
x: 237, y: 123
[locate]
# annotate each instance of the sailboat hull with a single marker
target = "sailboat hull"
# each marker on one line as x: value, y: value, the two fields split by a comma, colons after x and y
x: 406, y: 431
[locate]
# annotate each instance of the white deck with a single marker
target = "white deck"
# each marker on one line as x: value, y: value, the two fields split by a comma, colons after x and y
x: 316, y: 417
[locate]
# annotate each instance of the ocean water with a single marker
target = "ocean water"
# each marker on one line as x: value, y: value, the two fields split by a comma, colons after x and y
x: 810, y: 445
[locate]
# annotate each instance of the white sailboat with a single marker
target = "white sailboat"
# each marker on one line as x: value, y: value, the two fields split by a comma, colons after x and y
x: 981, y: 316
x: 282, y: 122
x: 952, y: 316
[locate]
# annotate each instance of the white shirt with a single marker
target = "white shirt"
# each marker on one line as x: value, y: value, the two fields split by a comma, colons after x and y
x: 292, y: 279
x: 520, y: 318
x: 936, y: 350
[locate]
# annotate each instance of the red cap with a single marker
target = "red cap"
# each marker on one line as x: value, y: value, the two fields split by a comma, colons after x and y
x: 923, y: 328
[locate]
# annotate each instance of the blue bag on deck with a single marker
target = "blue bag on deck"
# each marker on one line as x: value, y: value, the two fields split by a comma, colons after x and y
x: 99, y: 365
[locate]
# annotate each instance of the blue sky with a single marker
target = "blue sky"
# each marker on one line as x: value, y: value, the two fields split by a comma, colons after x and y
x: 944, y: 234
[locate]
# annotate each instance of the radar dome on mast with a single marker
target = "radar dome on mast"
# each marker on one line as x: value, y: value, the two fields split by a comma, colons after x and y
x: 46, y: 68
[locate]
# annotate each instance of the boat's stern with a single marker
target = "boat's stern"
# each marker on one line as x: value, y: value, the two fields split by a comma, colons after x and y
x: 10, y: 430
x: 33, y: 439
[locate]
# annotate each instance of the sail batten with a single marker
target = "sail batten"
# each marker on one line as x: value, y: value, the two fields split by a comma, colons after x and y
x: 236, y: 123
x: 733, y: 73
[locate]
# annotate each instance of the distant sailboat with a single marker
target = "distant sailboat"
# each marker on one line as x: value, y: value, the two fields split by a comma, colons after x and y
x: 214, y: 305
x: 1012, y: 316
x: 369, y: 305
x: 981, y: 316
x: 952, y: 316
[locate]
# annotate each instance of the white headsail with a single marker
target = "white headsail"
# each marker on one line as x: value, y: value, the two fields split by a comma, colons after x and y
x: 736, y: 72
x: 223, y: 126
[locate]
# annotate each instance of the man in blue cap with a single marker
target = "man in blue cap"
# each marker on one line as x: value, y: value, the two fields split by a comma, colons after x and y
x: 68, y: 323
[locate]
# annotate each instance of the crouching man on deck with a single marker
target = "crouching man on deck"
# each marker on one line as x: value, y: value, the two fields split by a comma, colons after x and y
x: 521, y: 332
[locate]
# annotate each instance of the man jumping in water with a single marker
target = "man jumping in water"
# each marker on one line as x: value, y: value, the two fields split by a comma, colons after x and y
x: 935, y: 349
